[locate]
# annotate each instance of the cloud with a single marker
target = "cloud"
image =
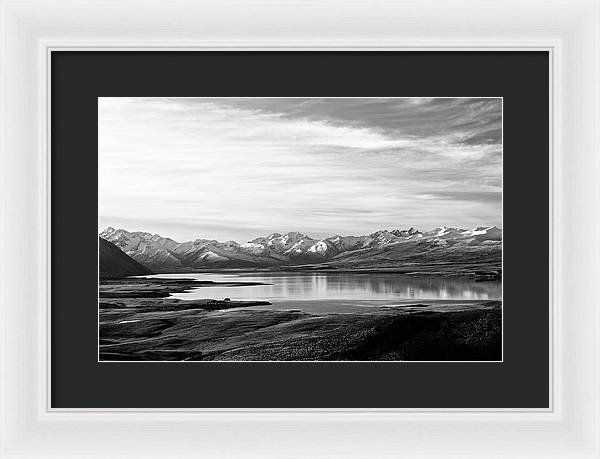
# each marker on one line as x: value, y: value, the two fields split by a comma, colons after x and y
x: 239, y: 168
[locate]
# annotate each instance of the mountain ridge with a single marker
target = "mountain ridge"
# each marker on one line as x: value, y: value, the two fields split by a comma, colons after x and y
x: 381, y: 248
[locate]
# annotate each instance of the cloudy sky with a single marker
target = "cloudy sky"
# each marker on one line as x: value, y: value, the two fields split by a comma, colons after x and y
x: 235, y: 169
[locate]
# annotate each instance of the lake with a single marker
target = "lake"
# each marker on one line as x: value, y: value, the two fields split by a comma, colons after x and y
x: 340, y: 292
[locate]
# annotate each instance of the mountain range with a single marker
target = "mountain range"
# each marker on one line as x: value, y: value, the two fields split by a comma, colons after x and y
x: 382, y: 249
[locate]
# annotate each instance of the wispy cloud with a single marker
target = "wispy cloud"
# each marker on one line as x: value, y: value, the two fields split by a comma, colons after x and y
x: 238, y: 168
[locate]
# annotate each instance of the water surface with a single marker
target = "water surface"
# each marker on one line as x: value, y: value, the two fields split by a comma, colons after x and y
x: 340, y: 292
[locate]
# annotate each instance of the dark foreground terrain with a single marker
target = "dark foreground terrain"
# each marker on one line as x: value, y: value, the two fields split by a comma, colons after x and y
x: 139, y: 322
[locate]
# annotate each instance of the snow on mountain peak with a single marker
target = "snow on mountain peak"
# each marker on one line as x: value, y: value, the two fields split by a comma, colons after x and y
x: 212, y: 256
x: 445, y: 231
x: 319, y: 247
x: 484, y: 233
x: 442, y: 231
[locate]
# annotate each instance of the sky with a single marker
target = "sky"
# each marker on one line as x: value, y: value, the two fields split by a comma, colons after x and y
x: 240, y: 168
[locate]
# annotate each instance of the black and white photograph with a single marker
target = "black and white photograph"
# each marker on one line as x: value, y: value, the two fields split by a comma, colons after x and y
x: 300, y: 229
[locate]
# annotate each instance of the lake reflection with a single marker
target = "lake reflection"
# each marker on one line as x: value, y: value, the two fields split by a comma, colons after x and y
x: 349, y: 288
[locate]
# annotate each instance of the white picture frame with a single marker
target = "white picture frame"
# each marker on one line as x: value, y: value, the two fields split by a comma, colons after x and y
x: 568, y: 29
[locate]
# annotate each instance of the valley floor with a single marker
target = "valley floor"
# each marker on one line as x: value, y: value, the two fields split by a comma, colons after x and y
x: 139, y: 322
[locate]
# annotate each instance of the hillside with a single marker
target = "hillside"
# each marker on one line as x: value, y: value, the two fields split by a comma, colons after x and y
x: 114, y: 263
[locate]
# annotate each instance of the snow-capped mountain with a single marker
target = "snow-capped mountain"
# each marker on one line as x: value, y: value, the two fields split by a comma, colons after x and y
x: 294, y: 248
x: 482, y: 233
x: 145, y: 248
x: 442, y: 246
x: 445, y: 232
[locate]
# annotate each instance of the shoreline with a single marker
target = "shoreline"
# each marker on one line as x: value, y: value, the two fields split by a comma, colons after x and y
x: 472, y: 271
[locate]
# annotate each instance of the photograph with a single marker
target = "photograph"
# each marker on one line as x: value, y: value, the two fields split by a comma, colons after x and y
x: 313, y: 229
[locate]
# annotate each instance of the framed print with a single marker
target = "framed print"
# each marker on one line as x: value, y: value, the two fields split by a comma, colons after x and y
x: 275, y: 231
x: 360, y: 306
x: 332, y: 167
